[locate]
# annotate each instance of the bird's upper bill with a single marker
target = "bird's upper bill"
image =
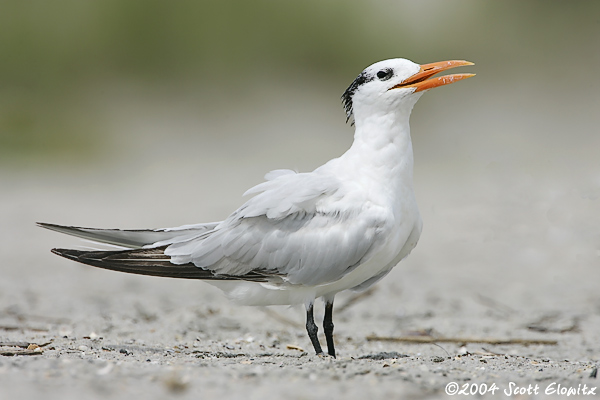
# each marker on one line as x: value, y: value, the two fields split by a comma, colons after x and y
x: 421, y: 82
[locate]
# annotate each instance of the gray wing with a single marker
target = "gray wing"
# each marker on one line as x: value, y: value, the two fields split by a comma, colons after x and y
x: 134, y: 239
x: 300, y: 227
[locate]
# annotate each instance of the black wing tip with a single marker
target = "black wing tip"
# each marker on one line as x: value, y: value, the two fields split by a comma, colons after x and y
x: 103, y: 259
x: 54, y: 227
x: 48, y: 225
x: 59, y: 252
x: 68, y: 253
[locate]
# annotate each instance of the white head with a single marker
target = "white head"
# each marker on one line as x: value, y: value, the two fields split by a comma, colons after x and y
x: 395, y: 85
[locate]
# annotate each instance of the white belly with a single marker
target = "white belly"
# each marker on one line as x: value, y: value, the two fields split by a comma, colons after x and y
x: 399, y: 244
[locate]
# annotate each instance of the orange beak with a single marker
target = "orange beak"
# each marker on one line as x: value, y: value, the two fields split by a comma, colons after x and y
x: 421, y: 82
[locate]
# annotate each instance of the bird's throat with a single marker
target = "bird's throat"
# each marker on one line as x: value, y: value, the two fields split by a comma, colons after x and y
x: 382, y: 148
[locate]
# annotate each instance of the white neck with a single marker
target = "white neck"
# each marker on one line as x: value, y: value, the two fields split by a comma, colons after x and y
x: 382, y: 148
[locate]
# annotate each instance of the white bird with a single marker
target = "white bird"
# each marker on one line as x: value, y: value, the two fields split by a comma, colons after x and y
x: 303, y: 236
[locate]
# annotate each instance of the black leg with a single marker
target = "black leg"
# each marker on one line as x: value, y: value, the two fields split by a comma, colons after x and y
x: 312, y: 329
x: 328, y: 327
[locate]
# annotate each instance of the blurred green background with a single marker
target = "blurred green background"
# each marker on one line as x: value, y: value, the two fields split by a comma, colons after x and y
x: 65, y: 63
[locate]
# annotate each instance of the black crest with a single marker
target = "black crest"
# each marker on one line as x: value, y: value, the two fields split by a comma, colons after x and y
x: 361, y: 79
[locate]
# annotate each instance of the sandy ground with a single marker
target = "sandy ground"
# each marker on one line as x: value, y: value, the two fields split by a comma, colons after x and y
x: 509, y: 251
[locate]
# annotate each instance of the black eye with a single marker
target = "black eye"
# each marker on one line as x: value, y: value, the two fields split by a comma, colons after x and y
x: 385, y: 74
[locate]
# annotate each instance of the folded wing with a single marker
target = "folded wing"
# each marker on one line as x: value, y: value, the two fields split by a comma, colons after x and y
x: 300, y: 229
x: 295, y: 228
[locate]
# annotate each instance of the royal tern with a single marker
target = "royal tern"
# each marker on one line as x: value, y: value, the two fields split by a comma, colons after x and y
x: 303, y: 236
